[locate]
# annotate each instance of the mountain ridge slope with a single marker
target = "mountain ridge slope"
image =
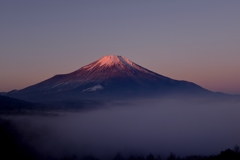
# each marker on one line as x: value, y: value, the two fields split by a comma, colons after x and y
x: 110, y: 76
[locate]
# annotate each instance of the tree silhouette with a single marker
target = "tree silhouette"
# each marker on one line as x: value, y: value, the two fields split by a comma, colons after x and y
x: 118, y: 156
x: 150, y: 157
x: 172, y: 156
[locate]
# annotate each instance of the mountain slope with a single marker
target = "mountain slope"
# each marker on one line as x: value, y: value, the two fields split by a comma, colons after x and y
x: 109, y: 77
x: 9, y: 104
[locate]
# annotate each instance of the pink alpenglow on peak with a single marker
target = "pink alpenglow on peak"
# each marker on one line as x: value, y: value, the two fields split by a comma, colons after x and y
x: 111, y: 60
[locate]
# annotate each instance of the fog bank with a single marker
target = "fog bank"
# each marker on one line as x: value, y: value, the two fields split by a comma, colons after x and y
x: 185, y: 127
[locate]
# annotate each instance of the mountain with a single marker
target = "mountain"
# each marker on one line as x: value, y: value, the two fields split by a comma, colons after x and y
x: 109, y: 77
x: 12, y: 104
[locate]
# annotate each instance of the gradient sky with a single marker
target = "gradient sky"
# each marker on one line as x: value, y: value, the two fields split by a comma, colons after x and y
x: 197, y: 41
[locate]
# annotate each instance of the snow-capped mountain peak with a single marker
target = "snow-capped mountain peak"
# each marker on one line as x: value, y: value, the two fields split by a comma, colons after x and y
x: 110, y: 75
x: 108, y: 61
x: 114, y: 60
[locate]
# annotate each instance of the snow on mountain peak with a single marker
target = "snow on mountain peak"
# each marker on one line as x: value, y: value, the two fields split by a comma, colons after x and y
x: 115, y: 60
x: 109, y: 60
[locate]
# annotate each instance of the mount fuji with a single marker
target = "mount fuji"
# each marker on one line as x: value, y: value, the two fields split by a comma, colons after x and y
x: 109, y: 77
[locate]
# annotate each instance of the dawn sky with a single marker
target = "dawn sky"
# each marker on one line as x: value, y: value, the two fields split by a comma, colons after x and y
x: 197, y: 41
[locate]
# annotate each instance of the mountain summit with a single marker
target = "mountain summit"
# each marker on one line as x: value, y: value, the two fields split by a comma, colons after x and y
x: 112, y: 60
x: 109, y: 77
x: 112, y: 66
